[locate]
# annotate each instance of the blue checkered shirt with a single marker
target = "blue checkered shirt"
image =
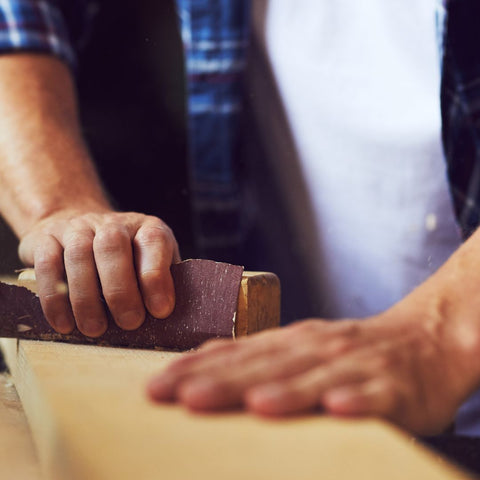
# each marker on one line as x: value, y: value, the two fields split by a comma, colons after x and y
x: 215, y: 37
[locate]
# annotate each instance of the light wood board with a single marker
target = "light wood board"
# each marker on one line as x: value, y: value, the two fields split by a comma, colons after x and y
x: 18, y: 459
x: 91, y: 420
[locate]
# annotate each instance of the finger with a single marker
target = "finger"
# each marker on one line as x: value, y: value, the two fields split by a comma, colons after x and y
x: 84, y: 291
x: 51, y: 286
x: 234, y: 366
x: 235, y: 352
x: 302, y: 392
x: 221, y: 358
x: 113, y: 255
x: 229, y: 354
x: 227, y: 389
x: 202, y: 358
x: 218, y: 361
x: 377, y: 397
x: 155, y: 249
x: 224, y: 359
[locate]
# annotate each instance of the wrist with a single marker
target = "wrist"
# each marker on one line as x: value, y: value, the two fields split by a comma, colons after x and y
x: 446, y: 309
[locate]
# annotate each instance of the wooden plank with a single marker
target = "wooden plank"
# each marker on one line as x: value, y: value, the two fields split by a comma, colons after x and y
x: 18, y: 458
x: 258, y: 305
x: 91, y: 420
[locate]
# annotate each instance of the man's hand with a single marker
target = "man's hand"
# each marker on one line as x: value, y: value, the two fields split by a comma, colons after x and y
x: 407, y: 369
x: 413, y: 364
x: 124, y: 257
x: 51, y: 196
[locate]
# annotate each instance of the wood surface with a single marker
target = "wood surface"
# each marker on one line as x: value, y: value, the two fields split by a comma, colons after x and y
x: 258, y: 305
x: 91, y: 420
x: 18, y: 458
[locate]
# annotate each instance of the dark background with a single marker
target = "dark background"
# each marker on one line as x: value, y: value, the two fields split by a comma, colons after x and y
x: 130, y: 82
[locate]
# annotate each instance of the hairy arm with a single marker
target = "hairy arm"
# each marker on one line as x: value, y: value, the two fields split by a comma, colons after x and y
x: 45, y: 166
x: 51, y: 196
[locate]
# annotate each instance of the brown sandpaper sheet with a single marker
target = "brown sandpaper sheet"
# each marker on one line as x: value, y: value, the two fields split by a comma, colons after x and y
x: 206, y: 302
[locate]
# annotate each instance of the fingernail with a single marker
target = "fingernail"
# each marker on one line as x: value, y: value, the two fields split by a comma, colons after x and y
x: 160, y: 305
x: 130, y: 320
x: 64, y: 325
x: 94, y: 328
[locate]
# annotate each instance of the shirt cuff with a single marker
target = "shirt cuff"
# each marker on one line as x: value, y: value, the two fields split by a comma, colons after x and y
x: 34, y: 26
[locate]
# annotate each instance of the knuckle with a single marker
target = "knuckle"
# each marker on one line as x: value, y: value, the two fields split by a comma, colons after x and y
x: 157, y: 287
x: 126, y: 217
x: 386, y: 387
x: 78, y: 246
x: 110, y: 237
x: 44, y: 259
x: 54, y: 296
x: 81, y: 222
x: 351, y: 329
x: 152, y: 275
x: 154, y: 235
x: 382, y: 363
x: 305, y: 327
x: 341, y: 345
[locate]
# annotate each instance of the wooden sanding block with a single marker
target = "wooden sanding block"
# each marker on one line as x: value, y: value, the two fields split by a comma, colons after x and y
x: 213, y: 300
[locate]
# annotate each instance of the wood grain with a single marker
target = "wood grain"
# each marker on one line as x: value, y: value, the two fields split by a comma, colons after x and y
x: 258, y: 303
x: 91, y: 420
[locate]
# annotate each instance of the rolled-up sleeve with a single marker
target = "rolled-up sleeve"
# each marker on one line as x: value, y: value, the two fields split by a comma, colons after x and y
x: 34, y: 26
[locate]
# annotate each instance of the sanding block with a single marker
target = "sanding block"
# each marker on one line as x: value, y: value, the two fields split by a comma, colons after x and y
x: 213, y: 300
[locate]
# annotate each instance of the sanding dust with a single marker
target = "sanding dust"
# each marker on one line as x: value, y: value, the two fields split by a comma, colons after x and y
x: 21, y: 327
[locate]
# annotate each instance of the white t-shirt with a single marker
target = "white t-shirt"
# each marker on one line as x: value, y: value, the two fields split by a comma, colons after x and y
x: 359, y: 83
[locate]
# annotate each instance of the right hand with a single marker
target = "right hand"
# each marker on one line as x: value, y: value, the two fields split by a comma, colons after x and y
x: 125, y: 257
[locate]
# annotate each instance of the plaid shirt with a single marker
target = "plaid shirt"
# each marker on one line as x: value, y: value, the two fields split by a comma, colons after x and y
x: 215, y: 36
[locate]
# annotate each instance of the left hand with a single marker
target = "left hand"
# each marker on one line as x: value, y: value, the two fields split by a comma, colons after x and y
x: 393, y: 366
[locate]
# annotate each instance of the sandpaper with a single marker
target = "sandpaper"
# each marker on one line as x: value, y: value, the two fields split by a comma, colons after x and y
x: 206, y: 302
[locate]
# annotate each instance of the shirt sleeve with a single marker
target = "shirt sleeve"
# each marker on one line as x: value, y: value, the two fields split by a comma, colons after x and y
x: 34, y: 26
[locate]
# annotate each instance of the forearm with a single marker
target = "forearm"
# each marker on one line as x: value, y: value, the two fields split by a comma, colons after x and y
x: 44, y: 164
